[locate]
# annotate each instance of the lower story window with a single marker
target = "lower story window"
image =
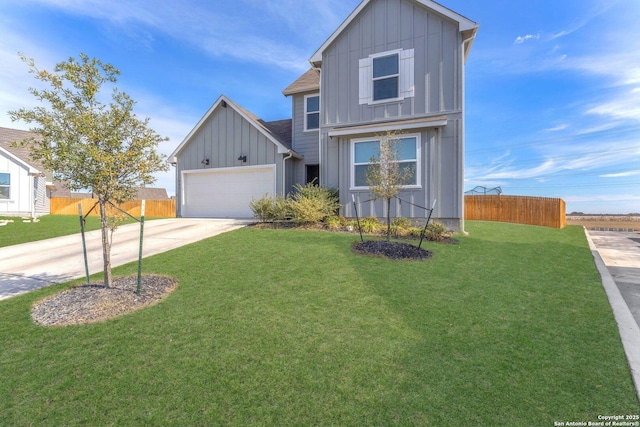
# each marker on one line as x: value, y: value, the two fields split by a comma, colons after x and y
x: 312, y: 173
x: 407, y: 155
x: 5, y: 185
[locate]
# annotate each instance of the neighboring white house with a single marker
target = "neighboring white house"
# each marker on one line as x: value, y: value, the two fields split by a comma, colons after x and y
x: 392, y: 65
x: 24, y: 184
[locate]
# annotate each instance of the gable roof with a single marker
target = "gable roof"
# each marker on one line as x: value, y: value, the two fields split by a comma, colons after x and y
x: 278, y: 132
x: 467, y: 27
x: 307, y: 82
x: 19, y: 154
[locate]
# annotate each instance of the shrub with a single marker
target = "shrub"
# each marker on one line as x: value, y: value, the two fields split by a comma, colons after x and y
x: 311, y: 204
x: 269, y: 208
x: 401, y: 227
x: 416, y: 232
x: 435, y: 232
x: 335, y: 222
x: 370, y: 224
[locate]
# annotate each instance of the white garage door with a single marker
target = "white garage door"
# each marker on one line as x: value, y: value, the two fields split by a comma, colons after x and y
x: 226, y: 192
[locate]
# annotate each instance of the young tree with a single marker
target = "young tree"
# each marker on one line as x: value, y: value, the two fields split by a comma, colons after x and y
x: 89, y: 144
x: 385, y: 175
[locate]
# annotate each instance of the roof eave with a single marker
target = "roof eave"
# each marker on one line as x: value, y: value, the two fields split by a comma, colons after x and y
x: 468, y: 37
x: 309, y: 88
x: 32, y: 170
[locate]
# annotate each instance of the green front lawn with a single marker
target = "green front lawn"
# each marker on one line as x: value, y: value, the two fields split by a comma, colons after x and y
x: 287, y: 327
x: 48, y: 226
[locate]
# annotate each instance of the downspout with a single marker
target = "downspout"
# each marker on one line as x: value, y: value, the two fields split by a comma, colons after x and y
x: 32, y: 200
x: 284, y: 171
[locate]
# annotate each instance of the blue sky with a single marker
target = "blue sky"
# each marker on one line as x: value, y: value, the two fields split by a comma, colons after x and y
x: 553, y: 87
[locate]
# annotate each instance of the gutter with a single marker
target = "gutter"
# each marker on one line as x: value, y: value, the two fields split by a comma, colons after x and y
x: 290, y: 154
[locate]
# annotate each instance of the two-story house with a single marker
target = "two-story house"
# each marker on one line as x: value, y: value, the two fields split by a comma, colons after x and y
x: 391, y: 66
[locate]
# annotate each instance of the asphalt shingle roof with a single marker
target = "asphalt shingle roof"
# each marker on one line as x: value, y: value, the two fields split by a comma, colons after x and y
x: 8, y: 136
x: 309, y: 81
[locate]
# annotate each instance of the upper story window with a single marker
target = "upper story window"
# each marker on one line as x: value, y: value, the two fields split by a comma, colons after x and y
x: 407, y: 156
x: 5, y: 185
x: 311, y: 112
x: 387, y: 76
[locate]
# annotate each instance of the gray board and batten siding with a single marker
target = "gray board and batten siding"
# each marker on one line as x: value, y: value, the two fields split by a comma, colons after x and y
x: 304, y: 142
x: 382, y: 26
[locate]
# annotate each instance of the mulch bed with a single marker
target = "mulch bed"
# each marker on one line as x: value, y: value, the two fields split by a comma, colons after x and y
x: 95, y: 302
x: 391, y: 250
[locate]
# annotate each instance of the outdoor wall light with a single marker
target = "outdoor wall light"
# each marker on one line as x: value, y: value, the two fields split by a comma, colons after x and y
x: 243, y: 158
x: 205, y: 161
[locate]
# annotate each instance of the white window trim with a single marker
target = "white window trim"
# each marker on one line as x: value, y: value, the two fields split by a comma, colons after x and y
x: 304, y: 111
x: 406, y: 76
x: 353, y: 164
x: 7, y: 186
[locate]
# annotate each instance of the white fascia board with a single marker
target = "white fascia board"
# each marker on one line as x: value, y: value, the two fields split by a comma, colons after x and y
x: 317, y: 57
x: 196, y: 127
x: 281, y: 148
x: 27, y: 166
x: 464, y: 24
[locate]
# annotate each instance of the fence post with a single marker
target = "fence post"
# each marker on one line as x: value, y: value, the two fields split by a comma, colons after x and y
x: 353, y: 198
x: 140, y: 251
x: 84, y: 245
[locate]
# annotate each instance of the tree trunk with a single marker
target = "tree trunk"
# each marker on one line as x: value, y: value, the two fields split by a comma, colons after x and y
x: 106, y: 243
x: 388, y: 219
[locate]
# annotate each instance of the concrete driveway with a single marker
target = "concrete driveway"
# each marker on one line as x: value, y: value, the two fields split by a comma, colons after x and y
x: 617, y: 257
x: 35, y: 265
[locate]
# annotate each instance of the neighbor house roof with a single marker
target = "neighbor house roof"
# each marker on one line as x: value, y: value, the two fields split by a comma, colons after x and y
x: 307, y: 82
x: 19, y: 154
x: 60, y: 190
x: 151, y: 194
x: 465, y: 25
x: 275, y: 131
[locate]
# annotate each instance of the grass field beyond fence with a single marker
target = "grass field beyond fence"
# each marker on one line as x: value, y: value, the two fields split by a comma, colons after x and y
x: 511, y: 327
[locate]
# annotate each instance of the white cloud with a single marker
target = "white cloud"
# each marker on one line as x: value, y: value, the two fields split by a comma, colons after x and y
x: 620, y: 174
x: 602, y: 198
x: 522, y: 39
x: 553, y: 159
x: 218, y: 30
x: 558, y: 128
x: 625, y: 106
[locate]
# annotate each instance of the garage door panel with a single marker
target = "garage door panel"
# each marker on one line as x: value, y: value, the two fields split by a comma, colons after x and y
x: 226, y: 193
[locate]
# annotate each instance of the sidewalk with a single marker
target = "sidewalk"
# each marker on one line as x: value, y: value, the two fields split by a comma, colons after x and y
x: 617, y: 257
x: 38, y: 264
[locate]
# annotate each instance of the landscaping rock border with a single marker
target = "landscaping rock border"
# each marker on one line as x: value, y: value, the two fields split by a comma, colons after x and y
x: 95, y: 302
x: 391, y: 250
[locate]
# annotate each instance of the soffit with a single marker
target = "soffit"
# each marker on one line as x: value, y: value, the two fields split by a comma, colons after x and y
x: 390, y: 126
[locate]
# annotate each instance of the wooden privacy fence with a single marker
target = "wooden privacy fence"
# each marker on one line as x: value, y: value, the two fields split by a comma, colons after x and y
x: 165, y: 208
x: 545, y: 211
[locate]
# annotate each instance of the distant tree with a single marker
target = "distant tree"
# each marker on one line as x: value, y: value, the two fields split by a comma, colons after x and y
x: 89, y: 144
x: 385, y: 175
